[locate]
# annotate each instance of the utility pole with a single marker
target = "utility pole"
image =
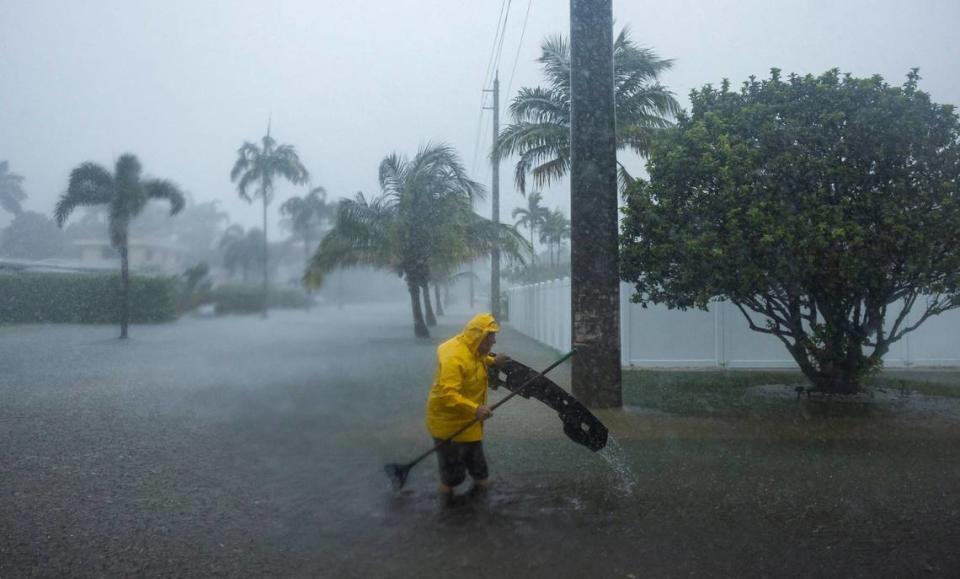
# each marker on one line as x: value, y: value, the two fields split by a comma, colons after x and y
x: 594, y: 221
x: 495, y: 189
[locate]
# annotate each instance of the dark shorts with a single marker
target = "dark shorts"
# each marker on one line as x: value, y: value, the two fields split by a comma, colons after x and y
x: 458, y: 458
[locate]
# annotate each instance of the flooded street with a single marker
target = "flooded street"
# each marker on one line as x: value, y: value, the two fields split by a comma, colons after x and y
x: 237, y: 446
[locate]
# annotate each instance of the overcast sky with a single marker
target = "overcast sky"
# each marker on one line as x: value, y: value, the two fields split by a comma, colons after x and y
x: 183, y: 83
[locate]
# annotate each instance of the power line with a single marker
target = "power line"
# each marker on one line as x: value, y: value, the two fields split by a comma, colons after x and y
x: 496, y: 50
x: 503, y: 35
x: 516, y: 58
x: 504, y: 8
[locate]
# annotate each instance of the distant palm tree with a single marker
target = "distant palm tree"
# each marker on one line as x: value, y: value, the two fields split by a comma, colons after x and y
x: 555, y: 228
x: 424, y: 212
x: 540, y: 132
x: 258, y: 168
x: 11, y: 189
x: 241, y: 250
x: 307, y: 215
x: 125, y: 194
x: 531, y: 217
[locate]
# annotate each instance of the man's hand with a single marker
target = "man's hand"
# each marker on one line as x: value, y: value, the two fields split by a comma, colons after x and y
x: 499, y: 360
x: 483, y: 412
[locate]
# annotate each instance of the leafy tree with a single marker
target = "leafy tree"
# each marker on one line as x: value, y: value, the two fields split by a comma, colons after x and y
x: 11, y: 189
x: 824, y: 208
x: 555, y: 228
x: 540, y: 132
x: 241, y: 251
x: 532, y: 216
x: 257, y: 168
x: 424, y: 210
x: 125, y: 193
x: 32, y: 235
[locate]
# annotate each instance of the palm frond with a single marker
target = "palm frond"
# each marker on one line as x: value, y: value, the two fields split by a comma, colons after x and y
x: 11, y: 189
x: 89, y: 184
x: 247, y: 179
x: 163, y: 189
x: 624, y: 178
x: 555, y: 58
x: 393, y: 170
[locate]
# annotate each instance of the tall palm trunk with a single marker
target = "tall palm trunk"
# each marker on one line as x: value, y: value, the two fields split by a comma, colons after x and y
x: 125, y: 289
x: 306, y: 261
x: 436, y: 296
x: 595, y: 284
x: 419, y: 327
x: 431, y: 319
x: 533, y: 250
x: 265, y: 281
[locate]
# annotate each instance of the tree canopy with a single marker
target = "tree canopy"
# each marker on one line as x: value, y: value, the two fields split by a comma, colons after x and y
x: 824, y: 208
x: 422, y: 221
x: 32, y: 235
x: 540, y: 131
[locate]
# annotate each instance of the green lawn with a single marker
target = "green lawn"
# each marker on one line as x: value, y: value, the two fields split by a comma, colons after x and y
x: 725, y: 392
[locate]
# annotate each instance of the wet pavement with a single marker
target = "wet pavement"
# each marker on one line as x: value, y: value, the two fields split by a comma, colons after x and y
x: 243, y: 447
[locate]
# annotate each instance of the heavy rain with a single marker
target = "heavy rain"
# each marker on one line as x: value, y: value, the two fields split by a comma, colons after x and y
x: 500, y: 288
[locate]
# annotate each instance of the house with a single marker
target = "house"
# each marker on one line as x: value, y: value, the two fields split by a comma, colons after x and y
x: 155, y: 257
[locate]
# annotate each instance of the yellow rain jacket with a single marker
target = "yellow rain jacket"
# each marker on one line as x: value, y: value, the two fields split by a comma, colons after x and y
x: 460, y: 384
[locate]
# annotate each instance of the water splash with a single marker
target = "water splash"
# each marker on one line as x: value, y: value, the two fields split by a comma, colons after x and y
x: 616, y: 458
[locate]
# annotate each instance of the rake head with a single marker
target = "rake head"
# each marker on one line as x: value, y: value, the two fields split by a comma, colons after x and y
x: 397, y: 473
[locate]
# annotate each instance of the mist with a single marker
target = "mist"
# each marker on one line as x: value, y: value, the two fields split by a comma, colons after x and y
x: 251, y: 322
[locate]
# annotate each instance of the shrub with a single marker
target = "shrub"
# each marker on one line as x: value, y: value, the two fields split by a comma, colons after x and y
x: 239, y: 299
x: 69, y: 298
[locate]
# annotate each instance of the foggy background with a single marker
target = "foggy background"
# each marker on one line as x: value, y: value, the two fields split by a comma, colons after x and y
x: 184, y: 84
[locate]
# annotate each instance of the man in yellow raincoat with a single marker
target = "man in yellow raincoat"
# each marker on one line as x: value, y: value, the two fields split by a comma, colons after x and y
x: 457, y: 397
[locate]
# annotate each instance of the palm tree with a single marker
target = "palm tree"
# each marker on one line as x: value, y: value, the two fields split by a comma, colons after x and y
x: 540, y: 132
x: 241, y: 250
x: 531, y: 217
x: 11, y: 189
x: 555, y: 228
x: 307, y: 215
x: 258, y: 168
x: 424, y: 211
x: 125, y: 193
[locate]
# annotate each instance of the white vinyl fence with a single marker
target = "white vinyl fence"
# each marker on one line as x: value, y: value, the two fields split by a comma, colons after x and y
x: 659, y: 337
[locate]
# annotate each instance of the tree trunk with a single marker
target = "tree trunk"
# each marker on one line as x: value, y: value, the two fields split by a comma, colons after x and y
x: 125, y: 289
x: 828, y: 372
x: 595, y: 281
x: 436, y: 296
x: 431, y: 319
x: 419, y: 327
x: 471, y: 285
x: 263, y: 192
x: 306, y: 263
x: 533, y: 250
x: 340, y: 288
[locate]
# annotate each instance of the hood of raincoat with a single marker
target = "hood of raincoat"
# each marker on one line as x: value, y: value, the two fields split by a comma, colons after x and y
x: 477, y: 329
